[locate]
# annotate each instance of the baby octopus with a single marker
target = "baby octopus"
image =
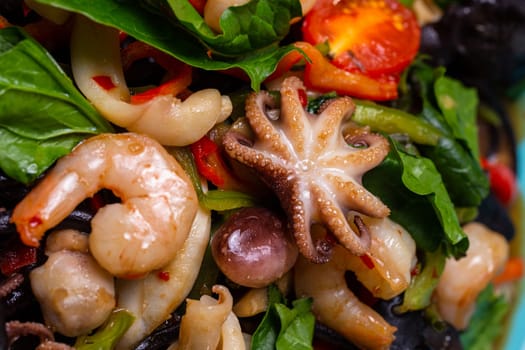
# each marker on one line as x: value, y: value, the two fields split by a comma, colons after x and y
x: 314, y: 170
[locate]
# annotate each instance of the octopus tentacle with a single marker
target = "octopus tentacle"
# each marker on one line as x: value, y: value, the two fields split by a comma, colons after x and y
x: 277, y: 178
x: 328, y: 124
x: 256, y: 112
x: 293, y: 116
x: 352, y: 195
x: 356, y: 242
x: 308, y: 162
x: 360, y: 160
x: 262, y: 162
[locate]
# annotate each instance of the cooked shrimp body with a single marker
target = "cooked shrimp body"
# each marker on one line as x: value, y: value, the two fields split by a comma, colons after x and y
x: 140, y: 234
x: 336, y: 306
x: 463, y: 279
x: 386, y: 269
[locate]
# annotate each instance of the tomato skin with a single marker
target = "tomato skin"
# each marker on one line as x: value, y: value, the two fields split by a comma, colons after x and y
x: 374, y: 37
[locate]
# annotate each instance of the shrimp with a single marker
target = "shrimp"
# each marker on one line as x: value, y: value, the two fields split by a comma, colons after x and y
x: 385, y: 270
x: 336, y: 306
x: 131, y: 238
x: 463, y: 279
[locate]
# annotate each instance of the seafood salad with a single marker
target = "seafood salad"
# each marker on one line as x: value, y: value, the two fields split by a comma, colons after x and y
x: 258, y: 174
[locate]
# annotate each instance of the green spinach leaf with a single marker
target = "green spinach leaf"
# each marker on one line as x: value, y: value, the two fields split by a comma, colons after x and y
x: 419, y: 200
x: 255, y: 25
x: 297, y: 325
x: 459, y: 107
x: 42, y: 115
x: 284, y: 328
x: 452, y: 108
x: 140, y: 20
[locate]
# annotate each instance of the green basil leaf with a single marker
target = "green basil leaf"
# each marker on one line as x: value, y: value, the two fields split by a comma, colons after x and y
x: 418, y: 200
x: 138, y: 19
x: 284, y: 328
x: 42, y: 115
x: 297, y: 325
x: 265, y: 336
x: 459, y: 107
x: 452, y: 109
x: 252, y: 26
x: 464, y: 178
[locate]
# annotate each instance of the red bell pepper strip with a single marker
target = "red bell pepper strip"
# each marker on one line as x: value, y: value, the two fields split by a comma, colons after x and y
x: 4, y: 23
x: 198, y: 5
x: 211, y: 165
x: 321, y: 75
x: 502, y: 179
x: 173, y: 87
x: 512, y: 271
x: 179, y: 74
x: 208, y: 161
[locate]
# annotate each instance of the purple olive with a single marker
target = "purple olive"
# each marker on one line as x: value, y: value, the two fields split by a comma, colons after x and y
x: 253, y: 248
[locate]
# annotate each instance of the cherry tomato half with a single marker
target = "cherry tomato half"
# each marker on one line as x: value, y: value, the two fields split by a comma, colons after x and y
x: 374, y: 37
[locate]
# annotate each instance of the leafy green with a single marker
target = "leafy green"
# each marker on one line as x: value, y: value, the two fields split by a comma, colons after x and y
x: 297, y: 325
x: 418, y: 295
x: 487, y: 321
x: 284, y: 328
x: 464, y: 178
x: 106, y: 337
x: 451, y: 108
x: 418, y: 199
x: 254, y: 25
x: 140, y: 20
x: 459, y: 107
x: 42, y: 115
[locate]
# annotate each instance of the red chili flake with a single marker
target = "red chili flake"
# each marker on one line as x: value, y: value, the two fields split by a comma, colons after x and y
x: 104, y: 82
x: 415, y: 271
x: 164, y: 275
x: 367, y: 261
x: 35, y: 221
x: 303, y: 98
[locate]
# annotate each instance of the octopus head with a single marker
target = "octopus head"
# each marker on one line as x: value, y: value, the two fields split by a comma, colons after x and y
x: 313, y: 165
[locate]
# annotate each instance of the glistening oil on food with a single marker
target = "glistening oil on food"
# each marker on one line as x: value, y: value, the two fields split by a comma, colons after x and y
x: 260, y: 174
